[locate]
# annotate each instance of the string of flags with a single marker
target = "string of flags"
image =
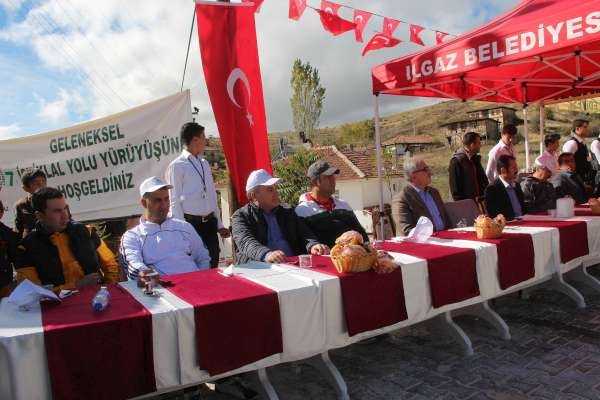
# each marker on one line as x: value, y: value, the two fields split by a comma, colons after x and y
x: 336, y: 25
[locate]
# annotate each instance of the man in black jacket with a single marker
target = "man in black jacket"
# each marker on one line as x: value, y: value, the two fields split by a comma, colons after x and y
x: 570, y: 182
x: 504, y: 196
x: 8, y: 248
x: 266, y: 230
x: 466, y: 174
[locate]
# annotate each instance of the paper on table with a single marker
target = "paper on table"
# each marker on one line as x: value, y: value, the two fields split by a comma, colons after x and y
x: 422, y: 231
x: 27, y: 294
x: 228, y: 271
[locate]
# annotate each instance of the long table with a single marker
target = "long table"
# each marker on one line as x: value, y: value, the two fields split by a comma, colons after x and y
x: 312, y: 314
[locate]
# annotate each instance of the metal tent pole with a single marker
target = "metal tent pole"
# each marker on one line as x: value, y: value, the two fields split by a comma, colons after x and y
x: 380, y: 235
x: 542, y: 125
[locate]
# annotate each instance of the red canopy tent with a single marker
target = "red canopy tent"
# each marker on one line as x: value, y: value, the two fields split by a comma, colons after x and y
x: 541, y: 51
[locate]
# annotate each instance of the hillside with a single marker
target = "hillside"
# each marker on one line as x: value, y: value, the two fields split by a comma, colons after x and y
x: 427, y: 120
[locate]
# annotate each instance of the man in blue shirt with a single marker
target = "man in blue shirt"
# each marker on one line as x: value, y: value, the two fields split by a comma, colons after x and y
x: 266, y: 230
x: 418, y: 199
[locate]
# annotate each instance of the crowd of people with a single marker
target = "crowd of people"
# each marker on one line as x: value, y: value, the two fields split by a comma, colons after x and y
x: 180, y: 222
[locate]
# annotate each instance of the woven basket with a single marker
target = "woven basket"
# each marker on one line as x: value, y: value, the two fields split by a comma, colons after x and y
x: 353, y: 263
x: 493, y: 231
x: 595, y: 208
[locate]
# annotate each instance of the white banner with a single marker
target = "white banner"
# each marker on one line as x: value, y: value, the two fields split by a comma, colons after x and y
x: 98, y: 165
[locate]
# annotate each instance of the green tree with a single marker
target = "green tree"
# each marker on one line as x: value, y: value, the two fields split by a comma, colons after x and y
x: 307, y: 97
x: 292, y: 171
x: 360, y: 133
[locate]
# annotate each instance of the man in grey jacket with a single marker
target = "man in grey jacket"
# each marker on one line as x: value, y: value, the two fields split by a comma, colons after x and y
x: 266, y: 230
x: 418, y: 199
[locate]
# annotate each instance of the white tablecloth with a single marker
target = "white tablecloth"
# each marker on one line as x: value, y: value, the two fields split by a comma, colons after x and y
x: 311, y: 308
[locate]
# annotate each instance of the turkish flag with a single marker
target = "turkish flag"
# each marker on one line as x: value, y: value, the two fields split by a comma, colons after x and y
x: 229, y: 52
x: 389, y: 26
x: 415, y: 31
x: 330, y: 7
x: 379, y: 41
x: 297, y: 8
x: 257, y: 4
x: 360, y: 19
x: 331, y: 21
x: 439, y: 37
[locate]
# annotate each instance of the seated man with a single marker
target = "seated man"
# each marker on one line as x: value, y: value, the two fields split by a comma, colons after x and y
x: 159, y: 242
x: 265, y: 230
x: 325, y: 215
x: 8, y: 248
x: 62, y: 253
x: 538, y: 192
x: 503, y: 195
x: 418, y: 199
x: 570, y: 183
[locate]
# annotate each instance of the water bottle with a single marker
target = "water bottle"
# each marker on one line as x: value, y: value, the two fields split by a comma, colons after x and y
x: 101, y: 299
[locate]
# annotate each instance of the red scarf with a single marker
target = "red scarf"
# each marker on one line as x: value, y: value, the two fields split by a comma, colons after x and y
x: 329, y: 205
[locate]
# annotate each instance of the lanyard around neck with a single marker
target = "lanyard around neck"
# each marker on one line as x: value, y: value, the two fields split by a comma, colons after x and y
x: 202, y: 175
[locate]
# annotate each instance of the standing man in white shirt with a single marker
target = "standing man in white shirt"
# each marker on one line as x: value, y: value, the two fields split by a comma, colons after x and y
x: 549, y: 158
x: 576, y: 146
x: 164, y: 244
x: 193, y: 194
x: 504, y: 147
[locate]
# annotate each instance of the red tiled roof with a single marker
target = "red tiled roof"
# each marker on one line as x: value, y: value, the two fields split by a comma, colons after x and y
x: 409, y: 139
x: 353, y: 164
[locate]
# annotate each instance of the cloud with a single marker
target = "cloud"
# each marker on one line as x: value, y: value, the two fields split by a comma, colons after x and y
x: 122, y: 54
x: 58, y: 110
x: 9, y: 131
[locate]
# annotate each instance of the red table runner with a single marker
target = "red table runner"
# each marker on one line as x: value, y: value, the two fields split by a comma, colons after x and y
x: 99, y: 355
x: 584, y: 212
x: 573, y: 236
x: 371, y: 300
x: 516, y: 258
x: 452, y: 270
x: 237, y: 321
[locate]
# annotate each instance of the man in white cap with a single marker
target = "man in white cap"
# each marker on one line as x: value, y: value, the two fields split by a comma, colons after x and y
x: 266, y: 230
x: 161, y: 243
x: 328, y: 217
x: 538, y: 192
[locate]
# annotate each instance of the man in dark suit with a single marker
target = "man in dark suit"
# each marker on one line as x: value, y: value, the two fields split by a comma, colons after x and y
x: 418, y: 199
x: 466, y: 175
x: 570, y: 182
x: 503, y: 195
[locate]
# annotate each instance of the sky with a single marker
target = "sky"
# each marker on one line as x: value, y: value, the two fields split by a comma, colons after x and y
x: 67, y: 61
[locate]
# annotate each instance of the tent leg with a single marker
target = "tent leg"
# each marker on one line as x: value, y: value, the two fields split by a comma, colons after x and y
x: 526, y: 134
x: 380, y: 234
x: 542, y: 126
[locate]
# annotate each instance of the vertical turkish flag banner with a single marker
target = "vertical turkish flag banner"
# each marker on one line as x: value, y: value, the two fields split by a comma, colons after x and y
x: 229, y: 53
x: 440, y: 36
x: 389, y: 26
x: 257, y: 4
x: 360, y: 19
x: 415, y: 31
x: 379, y: 41
x: 296, y: 9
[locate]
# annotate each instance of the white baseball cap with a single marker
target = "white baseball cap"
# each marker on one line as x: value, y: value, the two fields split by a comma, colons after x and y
x: 260, y: 177
x: 153, y: 184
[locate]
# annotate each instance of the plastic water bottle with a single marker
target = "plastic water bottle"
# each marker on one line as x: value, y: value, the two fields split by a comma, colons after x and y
x: 101, y: 299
